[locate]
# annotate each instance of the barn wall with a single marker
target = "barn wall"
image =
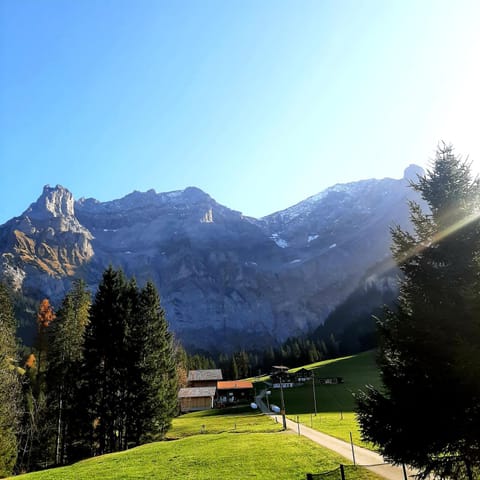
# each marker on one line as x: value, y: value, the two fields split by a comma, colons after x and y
x: 190, y: 404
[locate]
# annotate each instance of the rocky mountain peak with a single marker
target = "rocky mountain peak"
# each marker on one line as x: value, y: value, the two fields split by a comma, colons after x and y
x: 53, y: 202
x: 46, y: 240
x: 195, y: 195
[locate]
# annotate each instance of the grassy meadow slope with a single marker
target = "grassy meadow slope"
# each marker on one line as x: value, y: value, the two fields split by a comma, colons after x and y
x: 335, y: 403
x: 235, y: 446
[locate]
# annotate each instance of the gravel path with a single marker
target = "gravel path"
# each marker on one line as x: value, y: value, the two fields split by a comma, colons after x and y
x: 363, y: 456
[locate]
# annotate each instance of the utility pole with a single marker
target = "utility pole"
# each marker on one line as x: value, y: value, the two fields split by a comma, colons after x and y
x: 314, y: 396
x: 282, y: 406
x: 282, y: 369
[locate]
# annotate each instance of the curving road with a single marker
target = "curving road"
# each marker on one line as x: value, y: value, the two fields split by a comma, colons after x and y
x: 363, y: 456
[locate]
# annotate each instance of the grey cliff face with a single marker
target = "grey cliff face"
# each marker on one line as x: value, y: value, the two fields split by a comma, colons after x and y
x: 54, y: 202
x: 227, y: 281
x: 42, y: 249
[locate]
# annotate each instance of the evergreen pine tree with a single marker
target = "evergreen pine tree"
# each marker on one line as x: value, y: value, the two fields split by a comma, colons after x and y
x: 243, y: 365
x: 10, y: 390
x: 66, y: 340
x: 428, y: 414
x: 234, y: 368
x: 105, y: 345
x: 268, y: 358
x: 129, y: 357
x: 157, y: 367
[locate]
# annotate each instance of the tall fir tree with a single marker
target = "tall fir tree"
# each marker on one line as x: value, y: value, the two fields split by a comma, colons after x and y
x: 10, y: 390
x: 428, y: 414
x: 130, y: 353
x: 66, y: 342
x: 105, y: 342
x: 157, y: 368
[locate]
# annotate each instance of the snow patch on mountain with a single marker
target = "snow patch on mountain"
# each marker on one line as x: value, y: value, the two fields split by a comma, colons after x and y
x: 343, y: 192
x: 279, y: 241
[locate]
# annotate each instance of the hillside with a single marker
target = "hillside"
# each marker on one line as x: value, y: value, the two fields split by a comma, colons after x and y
x: 357, y: 371
x: 335, y: 403
x: 230, y: 454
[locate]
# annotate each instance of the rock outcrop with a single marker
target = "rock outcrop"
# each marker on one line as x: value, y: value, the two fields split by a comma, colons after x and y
x: 46, y: 245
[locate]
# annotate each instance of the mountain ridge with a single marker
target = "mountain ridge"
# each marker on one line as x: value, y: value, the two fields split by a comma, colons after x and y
x: 225, y: 278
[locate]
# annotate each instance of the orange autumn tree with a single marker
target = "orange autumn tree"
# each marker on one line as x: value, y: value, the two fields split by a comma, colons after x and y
x: 45, y: 316
x: 31, y: 361
x: 36, y: 425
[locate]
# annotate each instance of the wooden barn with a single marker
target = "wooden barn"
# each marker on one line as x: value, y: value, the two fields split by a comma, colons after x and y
x: 193, y: 399
x: 200, y: 391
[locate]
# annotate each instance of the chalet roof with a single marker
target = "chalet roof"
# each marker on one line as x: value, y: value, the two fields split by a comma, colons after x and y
x: 196, y: 392
x: 199, y: 375
x: 234, y: 384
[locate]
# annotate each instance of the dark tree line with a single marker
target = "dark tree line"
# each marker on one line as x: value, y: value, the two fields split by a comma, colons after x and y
x: 243, y: 363
x: 10, y: 388
x: 350, y: 328
x: 102, y: 376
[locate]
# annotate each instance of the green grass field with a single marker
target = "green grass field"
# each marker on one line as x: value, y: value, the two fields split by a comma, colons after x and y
x: 277, y: 456
x: 335, y: 403
x: 236, y: 445
x: 336, y: 424
x: 242, y: 443
x: 242, y: 420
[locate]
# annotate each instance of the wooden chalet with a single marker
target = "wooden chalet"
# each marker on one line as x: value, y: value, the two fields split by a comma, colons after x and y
x: 286, y: 379
x: 235, y: 391
x: 302, y: 375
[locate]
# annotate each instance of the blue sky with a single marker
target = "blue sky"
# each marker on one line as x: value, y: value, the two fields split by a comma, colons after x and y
x: 259, y: 103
